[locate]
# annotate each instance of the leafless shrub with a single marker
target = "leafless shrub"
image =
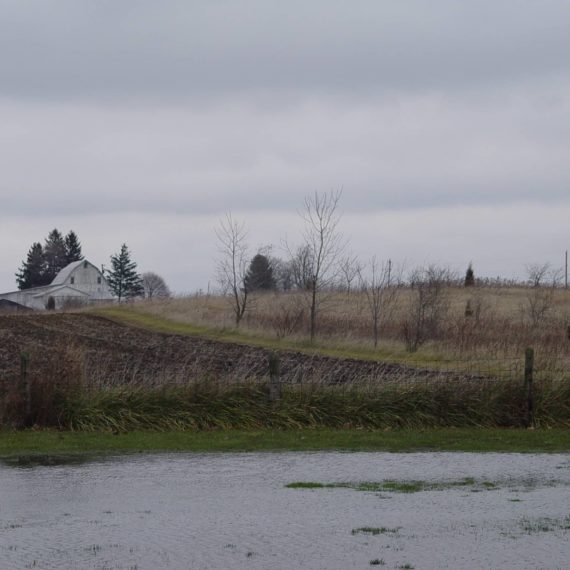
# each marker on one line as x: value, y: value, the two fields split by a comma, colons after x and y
x: 154, y: 286
x: 286, y: 319
x: 381, y: 287
x: 542, y: 280
x: 33, y: 399
x: 350, y: 269
x: 232, y: 265
x: 428, y: 305
x: 537, y: 273
x: 301, y: 266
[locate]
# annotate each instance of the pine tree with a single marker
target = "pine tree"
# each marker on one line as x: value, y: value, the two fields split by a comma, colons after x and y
x: 123, y: 278
x: 259, y: 275
x: 54, y: 254
x: 72, y: 248
x: 44, y: 263
x: 469, y: 276
x: 33, y: 270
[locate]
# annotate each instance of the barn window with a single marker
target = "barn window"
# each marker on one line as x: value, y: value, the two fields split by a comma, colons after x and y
x: 85, y: 264
x: 99, y: 280
x: 72, y: 280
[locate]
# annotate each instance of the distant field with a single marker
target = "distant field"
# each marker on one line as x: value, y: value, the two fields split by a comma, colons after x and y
x: 183, y: 364
x: 495, y: 335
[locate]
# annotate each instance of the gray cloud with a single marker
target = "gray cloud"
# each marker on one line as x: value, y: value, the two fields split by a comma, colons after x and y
x: 178, y: 49
x: 404, y: 153
x: 143, y: 121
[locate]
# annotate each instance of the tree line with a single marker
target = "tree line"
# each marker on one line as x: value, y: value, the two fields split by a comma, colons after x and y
x: 44, y: 262
x: 312, y: 266
x: 320, y: 266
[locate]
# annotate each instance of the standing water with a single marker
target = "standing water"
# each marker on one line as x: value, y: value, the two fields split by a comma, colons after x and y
x: 346, y: 510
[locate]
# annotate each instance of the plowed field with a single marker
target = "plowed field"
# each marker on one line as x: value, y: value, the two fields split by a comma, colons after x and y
x: 114, y: 353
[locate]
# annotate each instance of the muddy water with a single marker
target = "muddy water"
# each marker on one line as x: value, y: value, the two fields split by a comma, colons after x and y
x: 215, y: 511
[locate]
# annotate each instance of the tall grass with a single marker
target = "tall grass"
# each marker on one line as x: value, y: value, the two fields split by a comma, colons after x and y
x: 205, y: 405
x: 64, y: 396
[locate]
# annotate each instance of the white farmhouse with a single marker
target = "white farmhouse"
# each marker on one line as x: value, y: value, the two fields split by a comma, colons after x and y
x: 78, y: 283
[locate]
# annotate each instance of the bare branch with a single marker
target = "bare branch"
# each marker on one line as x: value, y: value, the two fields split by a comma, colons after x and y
x: 154, y: 286
x: 323, y: 245
x: 428, y: 305
x: 232, y: 265
x: 381, y: 287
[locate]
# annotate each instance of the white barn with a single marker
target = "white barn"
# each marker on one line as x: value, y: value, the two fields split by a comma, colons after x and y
x: 78, y: 283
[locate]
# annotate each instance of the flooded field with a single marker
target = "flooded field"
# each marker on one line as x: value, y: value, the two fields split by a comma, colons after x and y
x: 287, y: 511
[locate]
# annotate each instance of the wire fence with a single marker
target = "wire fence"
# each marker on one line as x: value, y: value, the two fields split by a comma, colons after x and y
x: 288, y: 388
x: 295, y: 368
x: 99, y: 366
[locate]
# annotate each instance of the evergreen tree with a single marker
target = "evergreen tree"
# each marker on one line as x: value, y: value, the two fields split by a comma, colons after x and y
x: 259, y: 275
x: 44, y: 263
x: 123, y: 278
x: 72, y: 248
x: 33, y: 270
x: 55, y: 254
x: 469, y: 276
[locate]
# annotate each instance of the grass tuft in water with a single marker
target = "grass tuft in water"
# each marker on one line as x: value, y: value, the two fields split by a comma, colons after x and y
x: 374, y: 531
x: 392, y: 486
x: 307, y: 485
x: 545, y: 525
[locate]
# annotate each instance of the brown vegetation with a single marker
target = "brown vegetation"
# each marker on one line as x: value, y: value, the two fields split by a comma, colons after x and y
x: 104, y: 353
x: 87, y: 372
x: 459, y: 324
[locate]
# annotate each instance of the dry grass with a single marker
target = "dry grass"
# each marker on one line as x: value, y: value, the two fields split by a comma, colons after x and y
x: 66, y: 393
x: 500, y: 328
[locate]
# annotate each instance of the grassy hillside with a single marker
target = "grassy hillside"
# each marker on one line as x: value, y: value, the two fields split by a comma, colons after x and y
x: 502, y: 324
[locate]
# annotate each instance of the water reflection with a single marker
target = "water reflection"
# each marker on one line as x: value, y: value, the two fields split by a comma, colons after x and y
x: 47, y: 460
x: 206, y: 511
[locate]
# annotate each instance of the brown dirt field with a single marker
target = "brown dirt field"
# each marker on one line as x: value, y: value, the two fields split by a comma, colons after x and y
x: 112, y: 354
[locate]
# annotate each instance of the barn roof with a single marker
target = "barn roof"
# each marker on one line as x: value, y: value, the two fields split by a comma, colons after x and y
x: 54, y: 289
x: 64, y: 274
x: 12, y: 305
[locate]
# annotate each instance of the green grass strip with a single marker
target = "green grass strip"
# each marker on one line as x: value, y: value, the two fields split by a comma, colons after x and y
x: 18, y: 443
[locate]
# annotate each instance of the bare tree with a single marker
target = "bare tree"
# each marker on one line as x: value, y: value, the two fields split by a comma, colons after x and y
x: 349, y: 268
x: 542, y: 280
x: 537, y: 273
x: 428, y: 304
x: 381, y: 288
x: 323, y: 246
x: 283, y: 272
x: 301, y: 265
x: 154, y: 286
x: 232, y: 265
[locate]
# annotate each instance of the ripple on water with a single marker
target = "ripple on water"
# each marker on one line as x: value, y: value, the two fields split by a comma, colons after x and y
x: 234, y: 511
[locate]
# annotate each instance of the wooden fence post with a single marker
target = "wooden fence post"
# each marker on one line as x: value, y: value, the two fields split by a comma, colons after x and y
x: 25, y: 388
x: 274, y: 377
x: 528, y: 384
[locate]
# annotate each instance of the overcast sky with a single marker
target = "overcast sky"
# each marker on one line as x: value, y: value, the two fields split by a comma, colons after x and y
x: 446, y: 123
